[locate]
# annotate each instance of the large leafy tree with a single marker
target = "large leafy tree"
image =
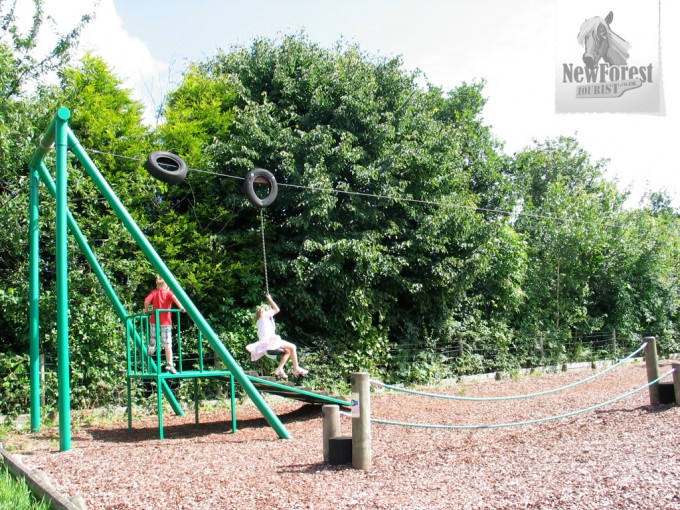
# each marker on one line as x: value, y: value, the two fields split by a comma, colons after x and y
x: 566, y: 206
x: 378, y: 221
x: 23, y: 117
x: 595, y: 266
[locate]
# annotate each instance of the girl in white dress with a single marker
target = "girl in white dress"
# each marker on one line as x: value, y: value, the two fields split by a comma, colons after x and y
x: 269, y: 340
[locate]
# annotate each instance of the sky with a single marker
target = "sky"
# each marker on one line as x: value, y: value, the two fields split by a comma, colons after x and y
x: 516, y: 46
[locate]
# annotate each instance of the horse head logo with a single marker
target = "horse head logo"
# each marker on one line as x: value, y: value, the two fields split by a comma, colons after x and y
x: 601, y: 43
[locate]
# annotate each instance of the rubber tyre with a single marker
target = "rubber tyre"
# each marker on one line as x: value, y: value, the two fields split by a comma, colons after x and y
x: 257, y: 175
x: 166, y: 167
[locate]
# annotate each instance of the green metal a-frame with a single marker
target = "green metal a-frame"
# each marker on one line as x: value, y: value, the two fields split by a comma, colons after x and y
x: 62, y: 138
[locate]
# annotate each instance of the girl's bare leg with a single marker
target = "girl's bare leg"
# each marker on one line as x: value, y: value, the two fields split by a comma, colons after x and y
x: 284, y: 358
x: 291, y: 350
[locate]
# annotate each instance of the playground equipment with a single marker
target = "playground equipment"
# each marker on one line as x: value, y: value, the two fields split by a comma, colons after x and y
x: 60, y: 135
x: 141, y: 366
x: 356, y: 448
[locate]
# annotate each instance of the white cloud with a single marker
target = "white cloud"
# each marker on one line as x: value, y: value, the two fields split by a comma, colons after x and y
x: 105, y: 36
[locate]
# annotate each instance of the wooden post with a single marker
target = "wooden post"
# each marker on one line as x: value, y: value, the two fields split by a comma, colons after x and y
x: 652, y: 362
x: 361, y: 421
x: 614, y: 342
x: 676, y: 382
x: 331, y: 426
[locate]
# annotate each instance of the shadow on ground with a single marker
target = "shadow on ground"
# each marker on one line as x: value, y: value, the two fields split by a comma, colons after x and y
x: 211, y: 425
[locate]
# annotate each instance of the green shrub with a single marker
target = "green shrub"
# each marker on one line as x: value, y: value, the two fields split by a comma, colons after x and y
x: 14, y: 382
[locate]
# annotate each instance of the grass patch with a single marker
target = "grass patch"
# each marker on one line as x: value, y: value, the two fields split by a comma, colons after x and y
x: 15, y: 494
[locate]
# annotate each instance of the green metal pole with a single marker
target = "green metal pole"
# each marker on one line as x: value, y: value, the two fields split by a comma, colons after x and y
x: 103, y: 279
x: 169, y: 278
x: 46, y: 142
x: 196, y: 400
x: 61, y: 128
x: 232, y: 391
x: 34, y: 299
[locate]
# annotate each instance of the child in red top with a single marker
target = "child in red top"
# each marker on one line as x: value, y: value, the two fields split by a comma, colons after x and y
x: 158, y: 299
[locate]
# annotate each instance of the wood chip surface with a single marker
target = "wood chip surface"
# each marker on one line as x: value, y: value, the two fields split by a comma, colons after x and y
x: 625, y: 455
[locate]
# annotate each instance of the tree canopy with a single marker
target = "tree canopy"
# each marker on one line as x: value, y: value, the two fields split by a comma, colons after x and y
x: 401, y: 228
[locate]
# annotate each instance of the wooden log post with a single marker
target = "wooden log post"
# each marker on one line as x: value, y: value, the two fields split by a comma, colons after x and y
x: 361, y: 421
x: 331, y: 426
x: 652, y: 363
x: 676, y: 382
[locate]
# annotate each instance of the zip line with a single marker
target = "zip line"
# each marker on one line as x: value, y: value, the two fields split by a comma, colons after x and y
x: 336, y: 191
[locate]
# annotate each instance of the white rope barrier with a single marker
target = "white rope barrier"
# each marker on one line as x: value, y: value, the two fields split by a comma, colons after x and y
x: 512, y: 397
x: 527, y: 422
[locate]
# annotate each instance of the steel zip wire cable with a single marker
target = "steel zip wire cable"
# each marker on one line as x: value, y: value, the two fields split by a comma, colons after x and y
x: 383, y: 197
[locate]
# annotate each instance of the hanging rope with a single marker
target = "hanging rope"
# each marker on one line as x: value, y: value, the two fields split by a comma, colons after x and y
x: 264, y: 252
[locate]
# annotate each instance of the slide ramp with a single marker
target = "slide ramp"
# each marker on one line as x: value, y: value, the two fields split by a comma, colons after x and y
x: 286, y: 389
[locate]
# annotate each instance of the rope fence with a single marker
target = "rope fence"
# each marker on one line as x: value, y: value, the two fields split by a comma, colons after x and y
x: 512, y: 397
x: 527, y: 422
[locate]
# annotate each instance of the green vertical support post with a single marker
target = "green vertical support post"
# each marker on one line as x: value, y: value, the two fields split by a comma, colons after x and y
x: 159, y: 400
x: 44, y: 146
x: 180, y: 363
x: 34, y: 299
x: 101, y: 276
x: 63, y: 371
x: 129, y: 328
x: 169, y: 278
x: 200, y: 351
x: 233, y: 403
x: 196, y: 400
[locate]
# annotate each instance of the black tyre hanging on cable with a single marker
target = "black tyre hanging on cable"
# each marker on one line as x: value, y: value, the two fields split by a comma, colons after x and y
x: 256, y: 177
x: 166, y: 167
